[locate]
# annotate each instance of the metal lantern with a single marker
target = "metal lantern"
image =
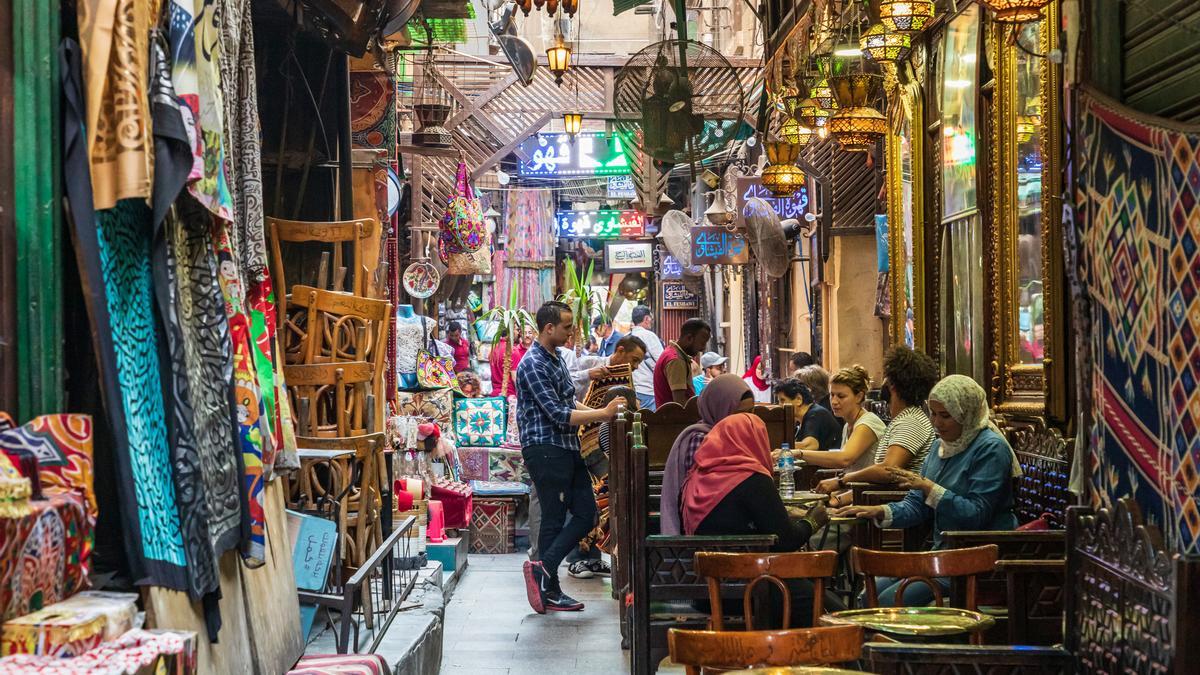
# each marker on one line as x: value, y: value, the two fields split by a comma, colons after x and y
x: 811, y: 114
x: 905, y: 16
x: 858, y: 129
x: 558, y: 58
x: 432, y: 109
x: 782, y: 178
x: 1027, y: 126
x: 795, y: 133
x: 822, y: 93
x: 883, y: 46
x: 572, y: 123
x: 1015, y: 11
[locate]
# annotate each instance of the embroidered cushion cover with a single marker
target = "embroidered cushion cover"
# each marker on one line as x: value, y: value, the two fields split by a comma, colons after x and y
x: 480, y: 422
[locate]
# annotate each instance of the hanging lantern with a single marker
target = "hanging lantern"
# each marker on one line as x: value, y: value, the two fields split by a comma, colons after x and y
x: 858, y: 129
x: 782, y: 178
x: 793, y: 132
x: 572, y: 123
x: 558, y: 58
x: 1027, y: 126
x: 1015, y: 11
x: 822, y: 93
x: 882, y: 46
x: 811, y: 114
x: 857, y: 126
x: 432, y: 109
x: 905, y: 16
x: 525, y: 5
x: 570, y: 7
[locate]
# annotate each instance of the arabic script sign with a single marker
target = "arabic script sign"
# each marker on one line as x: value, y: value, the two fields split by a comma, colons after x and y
x: 621, y: 187
x: 600, y: 224
x: 628, y: 256
x: 676, y: 295
x: 555, y: 156
x: 794, y: 206
x: 718, y: 246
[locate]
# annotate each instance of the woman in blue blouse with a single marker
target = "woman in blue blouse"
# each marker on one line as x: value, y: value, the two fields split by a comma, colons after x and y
x: 966, y: 483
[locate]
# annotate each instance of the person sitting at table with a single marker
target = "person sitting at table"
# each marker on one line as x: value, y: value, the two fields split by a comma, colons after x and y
x: 862, y: 429
x: 966, y: 483
x: 722, y: 397
x: 816, y: 428
x: 730, y: 491
x: 908, y: 377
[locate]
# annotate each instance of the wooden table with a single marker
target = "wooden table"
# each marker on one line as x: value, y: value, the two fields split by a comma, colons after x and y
x: 796, y: 670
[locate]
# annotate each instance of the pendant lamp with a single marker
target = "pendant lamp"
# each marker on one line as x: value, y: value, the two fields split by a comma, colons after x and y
x: 883, y: 46
x: 782, y: 177
x: 558, y: 58
x: 1015, y: 11
x: 905, y: 16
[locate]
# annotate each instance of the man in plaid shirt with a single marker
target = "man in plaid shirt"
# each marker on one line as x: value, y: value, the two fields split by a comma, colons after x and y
x: 548, y: 417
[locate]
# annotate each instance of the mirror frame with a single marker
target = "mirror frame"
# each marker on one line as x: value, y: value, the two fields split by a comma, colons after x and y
x: 909, y: 102
x: 1023, y: 388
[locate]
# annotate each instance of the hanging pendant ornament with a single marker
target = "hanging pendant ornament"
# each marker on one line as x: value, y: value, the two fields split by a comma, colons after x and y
x: 551, y: 7
x: 570, y: 7
x: 421, y: 279
x: 526, y: 6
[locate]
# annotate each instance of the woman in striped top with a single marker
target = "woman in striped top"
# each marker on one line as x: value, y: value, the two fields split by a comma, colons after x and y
x: 908, y: 377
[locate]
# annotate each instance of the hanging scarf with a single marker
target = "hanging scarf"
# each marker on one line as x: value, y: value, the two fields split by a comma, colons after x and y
x: 736, y: 448
x: 719, y: 400
x: 966, y: 402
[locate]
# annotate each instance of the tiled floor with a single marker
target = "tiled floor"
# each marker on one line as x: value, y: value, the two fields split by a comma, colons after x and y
x: 490, y: 629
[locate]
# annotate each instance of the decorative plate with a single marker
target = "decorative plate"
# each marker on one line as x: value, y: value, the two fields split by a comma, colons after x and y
x: 421, y: 279
x: 921, y: 621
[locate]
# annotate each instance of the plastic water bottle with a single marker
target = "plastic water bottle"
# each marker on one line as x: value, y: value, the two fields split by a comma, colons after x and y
x: 787, y: 465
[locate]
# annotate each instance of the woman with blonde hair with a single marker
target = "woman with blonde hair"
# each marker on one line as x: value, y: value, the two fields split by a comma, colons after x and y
x: 862, y: 430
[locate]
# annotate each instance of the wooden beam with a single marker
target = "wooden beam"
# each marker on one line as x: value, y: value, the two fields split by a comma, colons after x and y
x: 481, y: 100
x: 463, y: 99
x: 511, y: 146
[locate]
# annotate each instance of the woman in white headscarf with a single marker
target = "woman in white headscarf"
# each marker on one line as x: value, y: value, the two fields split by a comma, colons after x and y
x: 966, y: 483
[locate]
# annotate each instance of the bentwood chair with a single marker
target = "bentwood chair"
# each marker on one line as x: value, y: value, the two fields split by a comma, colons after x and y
x: 964, y: 564
x: 331, y: 398
x: 698, y: 650
x: 360, y: 234
x: 773, y: 568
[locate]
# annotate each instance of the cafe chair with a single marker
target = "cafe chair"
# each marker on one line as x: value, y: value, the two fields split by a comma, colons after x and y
x: 697, y: 650
x: 773, y: 568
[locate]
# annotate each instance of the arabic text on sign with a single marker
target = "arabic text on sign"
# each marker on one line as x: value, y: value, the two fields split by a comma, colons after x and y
x: 600, y: 224
x: 794, y: 206
x: 716, y: 245
x: 676, y: 295
x: 631, y: 256
x: 591, y: 154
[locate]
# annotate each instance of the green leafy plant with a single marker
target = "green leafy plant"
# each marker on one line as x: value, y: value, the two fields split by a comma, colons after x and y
x: 511, y: 322
x: 582, y: 300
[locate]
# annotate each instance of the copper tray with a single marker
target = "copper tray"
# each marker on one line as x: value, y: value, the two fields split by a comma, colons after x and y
x: 920, y: 621
x: 807, y: 498
x: 795, y: 670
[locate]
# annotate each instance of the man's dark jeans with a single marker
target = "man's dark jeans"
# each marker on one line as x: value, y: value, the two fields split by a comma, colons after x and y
x: 563, y: 485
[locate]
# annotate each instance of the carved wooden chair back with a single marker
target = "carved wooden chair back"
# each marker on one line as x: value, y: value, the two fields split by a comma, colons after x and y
x: 1046, y: 472
x: 781, y: 423
x: 328, y: 327
x: 358, y: 234
x: 359, y: 526
x: 924, y: 567
x: 330, y: 399
x: 773, y: 569
x: 698, y: 650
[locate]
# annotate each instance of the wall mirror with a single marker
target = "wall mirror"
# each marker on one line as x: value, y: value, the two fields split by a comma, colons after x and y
x: 905, y: 238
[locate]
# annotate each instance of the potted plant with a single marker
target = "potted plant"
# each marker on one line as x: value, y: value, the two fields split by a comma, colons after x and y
x: 511, y: 321
x: 582, y: 300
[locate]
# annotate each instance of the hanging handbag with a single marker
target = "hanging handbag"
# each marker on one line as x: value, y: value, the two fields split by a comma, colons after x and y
x: 462, y: 228
x: 433, y: 371
x: 479, y: 262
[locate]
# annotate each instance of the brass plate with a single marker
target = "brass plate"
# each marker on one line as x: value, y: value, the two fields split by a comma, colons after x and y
x: 807, y: 498
x: 795, y: 670
x: 922, y: 621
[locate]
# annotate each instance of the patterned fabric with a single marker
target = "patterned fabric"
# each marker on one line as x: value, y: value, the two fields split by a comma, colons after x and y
x: 208, y: 354
x: 512, y: 436
x: 911, y: 430
x: 53, y: 632
x: 435, y: 372
x: 534, y: 286
x: 545, y: 399
x: 44, y: 556
x: 62, y: 445
x: 15, y: 489
x: 115, y: 39
x: 507, y: 466
x: 480, y: 421
x: 1138, y: 208
x: 615, y: 376
x: 436, y: 406
x: 493, y: 529
x: 462, y: 226
x: 341, y: 664
x: 372, y: 110
x: 495, y: 487
x: 143, y: 456
x: 137, y: 651
x: 531, y: 230
x: 473, y: 462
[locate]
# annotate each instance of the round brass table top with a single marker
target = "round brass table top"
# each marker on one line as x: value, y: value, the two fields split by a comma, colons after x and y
x: 795, y: 670
x: 919, y: 621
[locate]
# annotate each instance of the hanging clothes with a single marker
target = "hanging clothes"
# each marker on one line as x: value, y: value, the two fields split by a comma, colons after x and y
x: 114, y: 37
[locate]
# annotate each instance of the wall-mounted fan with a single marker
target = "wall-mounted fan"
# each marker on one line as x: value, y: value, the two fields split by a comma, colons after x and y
x: 769, y: 238
x: 676, y: 235
x: 516, y: 49
x: 678, y: 101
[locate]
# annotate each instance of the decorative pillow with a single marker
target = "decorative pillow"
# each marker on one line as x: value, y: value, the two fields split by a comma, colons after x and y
x: 480, y: 422
x: 513, y: 436
x: 493, y: 487
x: 507, y: 465
x: 436, y: 406
x: 474, y: 463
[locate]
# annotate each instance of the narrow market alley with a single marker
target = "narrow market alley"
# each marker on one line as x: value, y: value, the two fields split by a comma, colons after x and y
x: 490, y: 629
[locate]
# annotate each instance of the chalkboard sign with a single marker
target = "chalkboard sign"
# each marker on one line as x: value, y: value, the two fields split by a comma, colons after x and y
x: 794, y: 206
x: 718, y: 246
x: 676, y: 295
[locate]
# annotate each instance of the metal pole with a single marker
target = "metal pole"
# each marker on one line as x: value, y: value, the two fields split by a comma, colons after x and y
x: 345, y: 152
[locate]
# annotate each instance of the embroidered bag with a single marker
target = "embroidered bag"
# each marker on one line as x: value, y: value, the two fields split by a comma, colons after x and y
x: 480, y: 422
x: 435, y: 372
x: 462, y: 227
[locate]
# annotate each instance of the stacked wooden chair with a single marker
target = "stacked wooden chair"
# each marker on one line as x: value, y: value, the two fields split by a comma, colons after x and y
x: 335, y: 335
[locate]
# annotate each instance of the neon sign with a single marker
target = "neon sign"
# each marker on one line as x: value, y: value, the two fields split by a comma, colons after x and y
x: 600, y: 224
x: 794, y: 206
x: 718, y: 246
x: 555, y: 156
x: 621, y: 187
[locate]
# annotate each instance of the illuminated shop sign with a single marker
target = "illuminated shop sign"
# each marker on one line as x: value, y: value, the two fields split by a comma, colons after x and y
x: 794, y: 206
x: 555, y: 156
x: 600, y: 224
x: 718, y: 246
x: 621, y: 187
x: 628, y: 256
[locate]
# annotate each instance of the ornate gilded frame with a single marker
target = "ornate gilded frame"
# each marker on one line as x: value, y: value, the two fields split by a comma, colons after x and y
x: 907, y: 102
x: 1023, y: 388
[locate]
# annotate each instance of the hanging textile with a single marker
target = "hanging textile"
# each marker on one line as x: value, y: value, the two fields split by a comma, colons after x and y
x: 1137, y: 202
x: 534, y: 286
x: 114, y: 35
x: 530, y: 228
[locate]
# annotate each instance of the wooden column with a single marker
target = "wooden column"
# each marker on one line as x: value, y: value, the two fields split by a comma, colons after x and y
x: 36, y: 207
x: 8, y: 241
